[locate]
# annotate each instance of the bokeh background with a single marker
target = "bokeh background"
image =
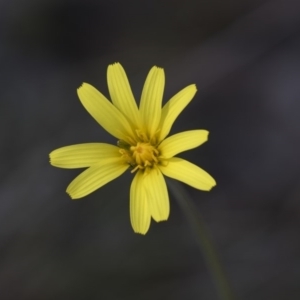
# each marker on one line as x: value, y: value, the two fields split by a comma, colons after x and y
x: 244, y: 56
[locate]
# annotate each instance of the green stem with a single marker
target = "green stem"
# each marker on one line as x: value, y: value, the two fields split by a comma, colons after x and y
x: 204, y: 241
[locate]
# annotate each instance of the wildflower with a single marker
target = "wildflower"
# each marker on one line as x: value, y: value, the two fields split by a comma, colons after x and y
x: 142, y: 145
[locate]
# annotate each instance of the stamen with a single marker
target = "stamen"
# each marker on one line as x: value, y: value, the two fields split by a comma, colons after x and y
x: 136, y: 168
x: 153, y: 139
x: 140, y: 155
x: 142, y: 135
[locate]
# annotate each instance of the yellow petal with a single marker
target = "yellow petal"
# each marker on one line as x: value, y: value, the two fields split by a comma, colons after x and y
x: 173, y: 108
x: 181, y: 142
x: 151, y: 99
x: 121, y: 94
x: 157, y: 194
x: 188, y: 173
x: 82, y: 155
x: 96, y: 176
x: 139, y: 209
x: 104, y: 112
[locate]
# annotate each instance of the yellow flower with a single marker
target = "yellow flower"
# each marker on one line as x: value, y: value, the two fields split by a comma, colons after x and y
x: 142, y: 145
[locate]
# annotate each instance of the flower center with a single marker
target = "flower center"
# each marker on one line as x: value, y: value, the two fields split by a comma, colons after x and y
x: 140, y: 156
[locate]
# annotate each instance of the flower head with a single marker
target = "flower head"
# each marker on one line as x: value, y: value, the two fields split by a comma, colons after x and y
x: 142, y: 145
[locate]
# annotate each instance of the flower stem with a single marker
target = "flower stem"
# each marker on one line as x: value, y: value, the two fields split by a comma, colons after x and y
x: 204, y: 241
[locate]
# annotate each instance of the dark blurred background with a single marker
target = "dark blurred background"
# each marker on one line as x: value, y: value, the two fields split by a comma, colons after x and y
x: 244, y: 56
